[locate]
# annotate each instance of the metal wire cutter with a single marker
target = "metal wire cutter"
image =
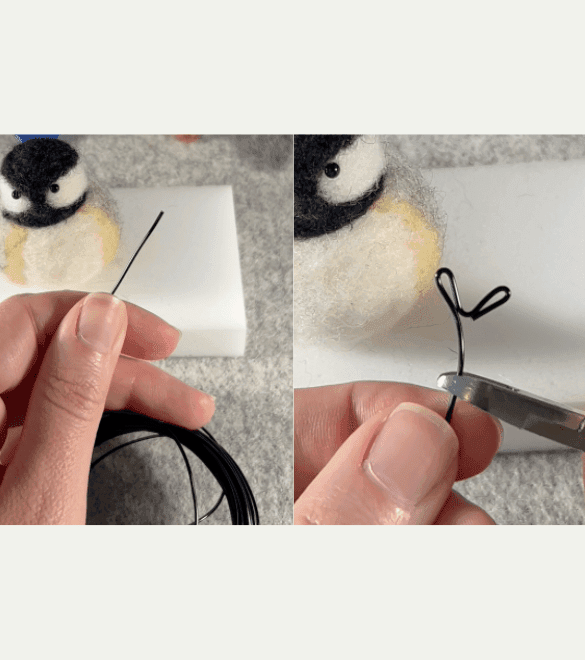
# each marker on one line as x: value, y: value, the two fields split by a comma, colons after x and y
x: 521, y: 409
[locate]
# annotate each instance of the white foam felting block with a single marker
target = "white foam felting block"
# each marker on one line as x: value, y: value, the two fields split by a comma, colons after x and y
x: 188, y: 272
x: 519, y: 225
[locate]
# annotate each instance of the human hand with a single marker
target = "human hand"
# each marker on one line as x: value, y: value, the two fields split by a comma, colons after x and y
x: 363, y: 456
x: 60, y: 365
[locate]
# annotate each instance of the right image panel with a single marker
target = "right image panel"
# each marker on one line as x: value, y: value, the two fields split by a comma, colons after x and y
x: 439, y: 370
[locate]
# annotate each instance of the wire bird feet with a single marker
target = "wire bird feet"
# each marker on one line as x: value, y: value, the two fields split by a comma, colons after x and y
x: 457, y: 311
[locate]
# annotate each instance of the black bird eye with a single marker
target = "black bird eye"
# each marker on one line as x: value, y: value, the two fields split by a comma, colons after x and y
x: 54, y: 188
x: 332, y: 170
x: 15, y: 194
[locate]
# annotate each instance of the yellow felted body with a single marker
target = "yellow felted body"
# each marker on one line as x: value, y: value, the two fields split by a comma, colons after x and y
x: 65, y: 255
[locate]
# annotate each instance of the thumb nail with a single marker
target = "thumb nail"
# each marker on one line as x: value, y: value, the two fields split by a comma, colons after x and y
x: 411, y: 453
x: 101, y: 321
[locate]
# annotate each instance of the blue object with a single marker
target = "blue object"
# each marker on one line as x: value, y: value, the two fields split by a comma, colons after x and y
x: 24, y: 138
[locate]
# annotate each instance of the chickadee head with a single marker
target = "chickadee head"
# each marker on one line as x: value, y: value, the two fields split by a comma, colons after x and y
x: 368, y: 236
x: 42, y: 183
x: 337, y: 178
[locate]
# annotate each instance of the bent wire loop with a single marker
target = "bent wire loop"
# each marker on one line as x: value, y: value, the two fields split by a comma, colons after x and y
x: 457, y: 311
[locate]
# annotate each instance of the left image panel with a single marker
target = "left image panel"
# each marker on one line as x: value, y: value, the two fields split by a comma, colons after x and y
x: 147, y: 376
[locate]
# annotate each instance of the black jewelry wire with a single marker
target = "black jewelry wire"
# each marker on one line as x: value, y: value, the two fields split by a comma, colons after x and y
x: 160, y: 215
x: 187, y: 465
x: 237, y: 491
x: 234, y: 486
x: 457, y: 311
x: 186, y: 460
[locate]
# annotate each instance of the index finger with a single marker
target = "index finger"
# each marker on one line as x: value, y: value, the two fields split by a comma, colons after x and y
x: 28, y: 321
x: 326, y: 416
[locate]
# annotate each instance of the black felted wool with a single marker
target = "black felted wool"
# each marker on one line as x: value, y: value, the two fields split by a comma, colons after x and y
x: 313, y: 215
x: 31, y: 168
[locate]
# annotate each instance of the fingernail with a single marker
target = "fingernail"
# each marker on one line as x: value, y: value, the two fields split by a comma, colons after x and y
x: 9, y: 447
x: 101, y: 320
x: 500, y: 429
x: 207, y: 402
x: 411, y: 453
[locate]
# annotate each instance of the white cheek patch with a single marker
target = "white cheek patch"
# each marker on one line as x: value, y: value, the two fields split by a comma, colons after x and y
x: 8, y: 202
x: 360, y: 167
x: 71, y: 188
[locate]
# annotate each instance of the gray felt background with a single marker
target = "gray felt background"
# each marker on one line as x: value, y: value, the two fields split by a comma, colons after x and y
x: 147, y: 483
x: 536, y: 488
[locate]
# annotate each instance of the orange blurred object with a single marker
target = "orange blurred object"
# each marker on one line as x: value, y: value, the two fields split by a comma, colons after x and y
x: 187, y: 138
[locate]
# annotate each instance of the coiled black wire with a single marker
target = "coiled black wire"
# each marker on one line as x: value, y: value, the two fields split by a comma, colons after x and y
x: 232, y: 481
x: 235, y: 488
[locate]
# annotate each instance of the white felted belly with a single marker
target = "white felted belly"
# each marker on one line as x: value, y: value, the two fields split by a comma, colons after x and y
x: 364, y: 277
x: 66, y: 255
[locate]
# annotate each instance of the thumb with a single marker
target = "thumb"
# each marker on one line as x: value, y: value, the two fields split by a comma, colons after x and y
x: 397, y: 468
x: 46, y: 480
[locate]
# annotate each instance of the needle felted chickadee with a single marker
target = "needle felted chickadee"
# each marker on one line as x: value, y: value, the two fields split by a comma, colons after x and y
x: 58, y: 228
x: 368, y: 236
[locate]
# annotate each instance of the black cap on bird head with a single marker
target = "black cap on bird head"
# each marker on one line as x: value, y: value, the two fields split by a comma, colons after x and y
x: 32, y: 170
